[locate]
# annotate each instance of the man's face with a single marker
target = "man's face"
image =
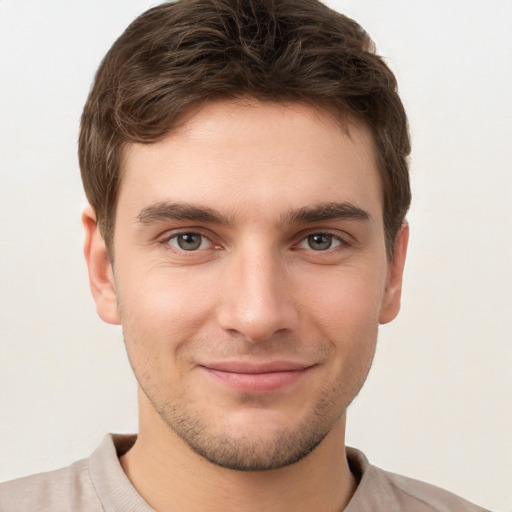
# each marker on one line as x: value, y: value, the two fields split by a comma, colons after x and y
x: 250, y: 275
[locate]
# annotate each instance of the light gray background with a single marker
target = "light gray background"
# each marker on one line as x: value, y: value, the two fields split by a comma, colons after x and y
x: 437, y: 403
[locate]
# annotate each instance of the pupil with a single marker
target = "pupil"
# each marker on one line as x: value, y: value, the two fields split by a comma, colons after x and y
x: 320, y: 242
x: 189, y: 241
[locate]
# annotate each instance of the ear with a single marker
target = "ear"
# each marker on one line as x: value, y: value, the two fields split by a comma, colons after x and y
x: 101, y: 276
x: 393, y: 291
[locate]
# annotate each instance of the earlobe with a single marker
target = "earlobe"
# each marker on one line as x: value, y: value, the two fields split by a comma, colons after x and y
x: 393, y: 291
x: 101, y: 277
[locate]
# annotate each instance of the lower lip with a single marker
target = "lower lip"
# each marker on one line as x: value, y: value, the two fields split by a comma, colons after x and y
x: 258, y: 382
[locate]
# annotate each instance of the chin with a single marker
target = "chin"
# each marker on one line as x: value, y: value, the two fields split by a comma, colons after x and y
x: 255, y: 438
x: 261, y: 451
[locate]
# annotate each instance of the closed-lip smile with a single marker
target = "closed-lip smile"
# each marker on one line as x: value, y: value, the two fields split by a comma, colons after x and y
x: 250, y: 377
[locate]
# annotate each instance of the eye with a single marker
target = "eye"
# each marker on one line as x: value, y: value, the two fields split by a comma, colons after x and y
x: 189, y: 241
x: 320, y: 242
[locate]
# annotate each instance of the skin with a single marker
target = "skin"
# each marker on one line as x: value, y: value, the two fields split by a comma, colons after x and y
x: 248, y: 348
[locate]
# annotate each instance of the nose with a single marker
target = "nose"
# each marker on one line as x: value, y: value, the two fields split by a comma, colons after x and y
x: 257, y: 297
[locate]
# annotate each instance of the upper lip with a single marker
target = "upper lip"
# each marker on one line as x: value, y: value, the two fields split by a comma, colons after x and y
x: 254, y: 368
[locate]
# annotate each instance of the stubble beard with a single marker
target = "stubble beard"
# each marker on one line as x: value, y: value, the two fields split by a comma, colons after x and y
x: 253, y: 449
x: 249, y: 451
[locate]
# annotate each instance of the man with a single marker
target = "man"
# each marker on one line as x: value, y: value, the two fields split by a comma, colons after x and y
x: 245, y: 164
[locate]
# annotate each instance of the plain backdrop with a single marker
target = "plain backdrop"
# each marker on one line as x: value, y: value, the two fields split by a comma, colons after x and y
x: 437, y: 403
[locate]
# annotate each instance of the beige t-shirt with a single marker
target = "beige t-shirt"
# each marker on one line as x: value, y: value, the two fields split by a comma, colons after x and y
x: 99, y: 484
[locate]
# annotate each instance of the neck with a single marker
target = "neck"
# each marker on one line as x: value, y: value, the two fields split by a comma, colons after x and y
x: 170, y: 476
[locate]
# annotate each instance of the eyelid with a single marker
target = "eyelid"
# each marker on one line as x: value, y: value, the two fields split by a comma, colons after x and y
x: 166, y: 237
x: 342, y: 237
x: 345, y: 239
x: 335, y: 243
x: 203, y: 240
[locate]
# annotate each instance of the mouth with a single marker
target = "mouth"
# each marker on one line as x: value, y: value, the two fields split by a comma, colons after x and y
x: 266, y: 377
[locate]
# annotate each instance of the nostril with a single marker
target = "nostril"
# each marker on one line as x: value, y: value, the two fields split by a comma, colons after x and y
x: 258, y: 321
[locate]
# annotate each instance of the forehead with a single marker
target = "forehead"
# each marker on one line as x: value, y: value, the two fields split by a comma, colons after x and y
x: 245, y: 154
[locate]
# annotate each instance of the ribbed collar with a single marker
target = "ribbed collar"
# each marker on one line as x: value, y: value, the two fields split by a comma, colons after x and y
x: 114, y: 489
x: 117, y: 493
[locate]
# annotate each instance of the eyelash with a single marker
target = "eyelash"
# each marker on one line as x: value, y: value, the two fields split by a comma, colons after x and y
x: 342, y: 242
x: 166, y: 242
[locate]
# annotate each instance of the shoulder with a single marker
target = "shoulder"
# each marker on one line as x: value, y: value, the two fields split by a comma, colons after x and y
x: 64, y: 489
x: 380, y: 490
x: 426, y: 497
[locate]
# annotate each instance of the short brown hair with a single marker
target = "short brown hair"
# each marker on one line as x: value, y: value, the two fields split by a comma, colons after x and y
x: 177, y: 55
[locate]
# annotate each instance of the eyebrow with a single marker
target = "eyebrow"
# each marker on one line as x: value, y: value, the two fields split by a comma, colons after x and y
x: 326, y: 211
x: 165, y: 211
x: 181, y: 211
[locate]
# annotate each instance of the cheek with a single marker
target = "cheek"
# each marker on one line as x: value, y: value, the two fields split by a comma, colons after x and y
x: 344, y: 311
x: 346, y: 300
x: 159, y: 318
x: 164, y: 306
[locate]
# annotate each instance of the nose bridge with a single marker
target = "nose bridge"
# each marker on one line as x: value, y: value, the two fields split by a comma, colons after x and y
x: 256, y: 300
